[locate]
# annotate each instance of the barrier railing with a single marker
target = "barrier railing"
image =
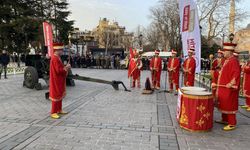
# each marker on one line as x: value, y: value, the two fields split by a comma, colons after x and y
x: 16, y: 70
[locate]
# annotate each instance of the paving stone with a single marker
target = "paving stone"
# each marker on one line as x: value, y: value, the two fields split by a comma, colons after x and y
x: 102, y: 118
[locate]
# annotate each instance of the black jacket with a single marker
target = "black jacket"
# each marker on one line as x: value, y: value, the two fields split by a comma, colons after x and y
x: 4, y: 59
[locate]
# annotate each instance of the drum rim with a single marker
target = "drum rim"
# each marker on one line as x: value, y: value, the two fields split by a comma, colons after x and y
x: 192, y: 87
x: 197, y: 97
x: 208, y: 94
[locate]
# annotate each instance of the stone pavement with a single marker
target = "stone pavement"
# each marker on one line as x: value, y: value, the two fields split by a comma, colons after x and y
x: 103, y: 119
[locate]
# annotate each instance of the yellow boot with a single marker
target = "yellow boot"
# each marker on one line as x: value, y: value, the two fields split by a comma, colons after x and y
x: 55, y: 116
x: 221, y: 122
x: 63, y: 112
x: 229, y: 127
x: 248, y: 108
x: 244, y: 106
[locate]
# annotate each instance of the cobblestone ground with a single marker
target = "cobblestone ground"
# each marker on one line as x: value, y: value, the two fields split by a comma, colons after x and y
x: 103, y: 119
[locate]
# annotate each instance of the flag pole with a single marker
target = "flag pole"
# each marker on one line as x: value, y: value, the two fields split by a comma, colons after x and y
x: 69, y: 37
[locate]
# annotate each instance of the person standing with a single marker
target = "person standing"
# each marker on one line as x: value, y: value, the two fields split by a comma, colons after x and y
x: 216, y: 67
x: 58, y: 73
x: 117, y: 62
x: 227, y: 92
x: 134, y: 71
x: 113, y: 61
x: 156, y: 67
x: 210, y: 62
x: 4, y: 61
x: 102, y: 61
x: 189, y: 66
x: 173, y: 67
x: 246, y: 84
x: 97, y: 61
x: 107, y: 60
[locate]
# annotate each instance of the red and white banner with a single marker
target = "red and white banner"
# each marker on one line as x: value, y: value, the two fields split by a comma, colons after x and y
x: 190, y: 29
x: 48, y: 37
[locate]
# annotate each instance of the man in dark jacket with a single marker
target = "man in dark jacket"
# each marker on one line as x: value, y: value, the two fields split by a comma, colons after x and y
x: 4, y: 61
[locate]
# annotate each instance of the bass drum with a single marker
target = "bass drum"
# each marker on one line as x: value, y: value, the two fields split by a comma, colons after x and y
x: 196, y: 111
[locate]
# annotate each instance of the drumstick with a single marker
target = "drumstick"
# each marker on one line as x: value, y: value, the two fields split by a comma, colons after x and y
x: 235, y: 87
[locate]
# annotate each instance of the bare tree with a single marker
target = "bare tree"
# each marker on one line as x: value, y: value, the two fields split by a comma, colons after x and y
x: 214, y: 17
x: 166, y: 22
x: 152, y: 36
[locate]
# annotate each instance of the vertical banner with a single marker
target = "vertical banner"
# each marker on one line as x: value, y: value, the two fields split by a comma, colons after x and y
x: 190, y: 30
x: 48, y: 37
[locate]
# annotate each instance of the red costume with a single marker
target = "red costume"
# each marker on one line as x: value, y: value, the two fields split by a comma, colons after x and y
x: 156, y: 67
x: 173, y: 72
x: 216, y: 67
x: 228, y: 87
x: 57, y: 88
x: 134, y: 71
x: 189, y: 66
x: 246, y: 82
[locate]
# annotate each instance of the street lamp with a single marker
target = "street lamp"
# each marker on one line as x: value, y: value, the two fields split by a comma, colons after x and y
x: 223, y: 39
x: 140, y: 40
x: 231, y: 37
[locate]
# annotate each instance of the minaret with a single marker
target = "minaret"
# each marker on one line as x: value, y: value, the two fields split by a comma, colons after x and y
x: 232, y: 16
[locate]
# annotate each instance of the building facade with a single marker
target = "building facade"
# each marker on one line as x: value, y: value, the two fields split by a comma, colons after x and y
x: 110, y: 35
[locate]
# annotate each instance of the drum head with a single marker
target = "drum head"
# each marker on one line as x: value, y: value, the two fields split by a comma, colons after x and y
x: 192, y: 88
x: 198, y: 93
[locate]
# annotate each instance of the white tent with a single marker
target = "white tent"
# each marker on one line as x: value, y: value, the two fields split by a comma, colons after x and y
x: 162, y: 54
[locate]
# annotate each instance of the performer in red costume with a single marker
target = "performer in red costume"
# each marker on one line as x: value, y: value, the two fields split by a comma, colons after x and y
x: 246, y: 84
x: 132, y: 53
x: 189, y: 66
x: 134, y: 70
x: 216, y: 67
x: 156, y: 67
x: 227, y: 92
x: 58, y: 73
x: 173, y: 71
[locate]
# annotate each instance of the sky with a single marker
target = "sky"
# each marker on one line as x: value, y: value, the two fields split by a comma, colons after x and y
x: 128, y: 13
x: 245, y: 5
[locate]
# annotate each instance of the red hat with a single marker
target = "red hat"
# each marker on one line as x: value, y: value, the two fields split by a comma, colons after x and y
x: 58, y: 46
x: 229, y: 46
x: 157, y: 51
x: 191, y: 50
x: 173, y: 51
x: 220, y: 51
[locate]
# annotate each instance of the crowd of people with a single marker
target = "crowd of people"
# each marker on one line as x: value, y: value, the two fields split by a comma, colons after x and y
x: 98, y: 61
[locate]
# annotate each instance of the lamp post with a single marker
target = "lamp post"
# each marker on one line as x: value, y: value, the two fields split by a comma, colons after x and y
x: 231, y: 37
x: 140, y: 40
x: 223, y: 39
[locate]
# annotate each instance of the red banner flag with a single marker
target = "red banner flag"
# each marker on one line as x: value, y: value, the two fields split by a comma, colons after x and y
x: 48, y: 37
